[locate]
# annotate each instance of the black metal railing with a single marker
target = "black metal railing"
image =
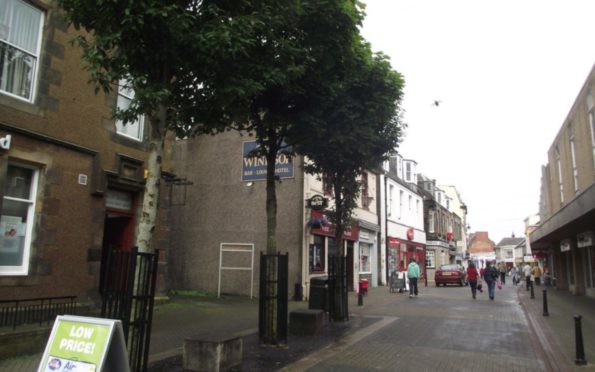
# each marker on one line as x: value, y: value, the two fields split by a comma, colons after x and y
x: 40, y: 311
x: 338, y: 305
x: 272, y: 314
x: 128, y: 295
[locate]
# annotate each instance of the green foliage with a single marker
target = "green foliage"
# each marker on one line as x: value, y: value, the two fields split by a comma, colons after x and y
x: 357, y: 126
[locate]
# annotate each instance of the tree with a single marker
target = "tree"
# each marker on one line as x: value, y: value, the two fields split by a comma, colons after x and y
x: 304, y: 47
x: 359, y: 126
x: 208, y: 66
x: 163, y: 49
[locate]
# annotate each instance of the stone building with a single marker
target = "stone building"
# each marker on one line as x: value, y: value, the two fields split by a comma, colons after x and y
x: 564, y: 240
x: 71, y: 177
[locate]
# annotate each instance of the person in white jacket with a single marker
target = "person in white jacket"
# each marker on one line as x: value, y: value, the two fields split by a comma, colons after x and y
x: 527, y: 273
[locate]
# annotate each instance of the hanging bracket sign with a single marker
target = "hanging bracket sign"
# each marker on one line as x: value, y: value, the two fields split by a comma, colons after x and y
x: 85, y: 344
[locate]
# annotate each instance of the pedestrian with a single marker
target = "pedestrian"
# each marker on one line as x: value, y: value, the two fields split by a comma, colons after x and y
x: 472, y: 276
x: 413, y: 274
x: 490, y: 275
x: 513, y: 275
x: 502, y: 269
x: 527, y: 274
x: 536, y: 272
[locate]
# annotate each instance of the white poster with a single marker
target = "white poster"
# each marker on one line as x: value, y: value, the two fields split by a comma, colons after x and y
x: 12, y: 230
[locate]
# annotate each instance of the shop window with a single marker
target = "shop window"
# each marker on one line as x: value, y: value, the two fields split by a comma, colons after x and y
x: 316, y: 254
x: 364, y: 258
x: 20, y: 41
x: 430, y: 259
x: 16, y: 221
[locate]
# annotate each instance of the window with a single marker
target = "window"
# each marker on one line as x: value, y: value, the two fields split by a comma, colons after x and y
x: 417, y: 207
x: 561, y: 184
x: 132, y: 129
x: 431, y: 222
x: 401, y: 196
x: 591, y: 115
x: 16, y: 221
x: 410, y: 202
x: 430, y: 259
x: 389, y: 207
x: 573, y: 157
x: 316, y: 254
x: 364, y: 258
x: 20, y: 42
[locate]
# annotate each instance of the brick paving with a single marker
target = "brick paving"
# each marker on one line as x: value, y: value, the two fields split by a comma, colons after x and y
x: 443, y: 329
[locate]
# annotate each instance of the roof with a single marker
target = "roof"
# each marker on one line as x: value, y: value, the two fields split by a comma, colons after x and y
x: 480, y: 242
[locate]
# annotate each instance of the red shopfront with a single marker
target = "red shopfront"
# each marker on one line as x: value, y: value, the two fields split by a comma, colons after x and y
x: 400, y: 252
x: 323, y: 246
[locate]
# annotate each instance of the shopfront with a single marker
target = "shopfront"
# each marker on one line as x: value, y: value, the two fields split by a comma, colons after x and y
x: 400, y: 253
x: 322, y: 246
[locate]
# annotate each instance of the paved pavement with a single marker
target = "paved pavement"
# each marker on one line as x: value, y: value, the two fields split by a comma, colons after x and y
x: 443, y: 329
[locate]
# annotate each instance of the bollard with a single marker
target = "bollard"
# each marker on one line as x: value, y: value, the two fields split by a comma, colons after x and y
x: 545, y: 312
x: 580, y: 350
x: 360, y: 296
x: 532, y: 292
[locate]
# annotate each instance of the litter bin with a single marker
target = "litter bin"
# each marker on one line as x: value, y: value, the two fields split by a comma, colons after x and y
x: 318, y: 298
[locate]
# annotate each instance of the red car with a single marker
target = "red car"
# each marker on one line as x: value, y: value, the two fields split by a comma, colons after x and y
x: 450, y: 274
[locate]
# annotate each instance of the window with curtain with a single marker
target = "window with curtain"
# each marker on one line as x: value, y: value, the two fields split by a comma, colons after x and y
x: 20, y: 41
x: 133, y: 129
x: 16, y: 221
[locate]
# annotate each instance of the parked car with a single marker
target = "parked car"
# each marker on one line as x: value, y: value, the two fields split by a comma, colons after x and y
x: 450, y: 274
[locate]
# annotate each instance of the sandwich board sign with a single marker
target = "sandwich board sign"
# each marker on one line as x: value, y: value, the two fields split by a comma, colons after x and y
x: 85, y: 344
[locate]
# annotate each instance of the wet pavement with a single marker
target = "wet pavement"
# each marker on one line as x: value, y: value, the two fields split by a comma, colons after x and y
x: 442, y: 329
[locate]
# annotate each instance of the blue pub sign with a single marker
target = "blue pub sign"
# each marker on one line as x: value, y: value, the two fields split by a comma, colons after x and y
x: 255, y: 168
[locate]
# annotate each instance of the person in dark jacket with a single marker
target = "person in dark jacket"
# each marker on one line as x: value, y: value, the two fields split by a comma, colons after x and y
x: 490, y: 275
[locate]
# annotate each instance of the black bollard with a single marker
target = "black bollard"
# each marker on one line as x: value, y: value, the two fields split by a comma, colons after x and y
x: 580, y: 350
x: 360, y: 296
x: 532, y: 292
x: 545, y: 312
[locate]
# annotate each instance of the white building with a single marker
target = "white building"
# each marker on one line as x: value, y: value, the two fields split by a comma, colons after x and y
x: 360, y: 245
x: 456, y: 205
x: 402, y: 218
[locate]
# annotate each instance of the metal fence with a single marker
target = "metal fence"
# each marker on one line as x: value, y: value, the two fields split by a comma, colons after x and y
x: 128, y: 295
x: 272, y: 314
x: 40, y: 311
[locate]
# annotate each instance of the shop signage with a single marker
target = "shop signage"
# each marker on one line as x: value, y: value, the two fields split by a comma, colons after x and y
x: 318, y: 203
x: 585, y: 239
x: 352, y: 233
x: 85, y: 344
x: 254, y: 168
x: 565, y: 245
x: 410, y: 233
x: 5, y: 142
x: 118, y: 200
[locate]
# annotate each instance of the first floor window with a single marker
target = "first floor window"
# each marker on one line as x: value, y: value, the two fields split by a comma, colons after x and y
x: 16, y: 221
x: 131, y: 129
x: 364, y: 258
x: 316, y: 254
x: 20, y: 40
x: 430, y: 259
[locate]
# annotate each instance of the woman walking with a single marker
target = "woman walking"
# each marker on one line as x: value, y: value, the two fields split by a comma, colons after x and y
x: 472, y: 276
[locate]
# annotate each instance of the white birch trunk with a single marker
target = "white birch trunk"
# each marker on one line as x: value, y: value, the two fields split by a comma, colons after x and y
x: 148, y: 216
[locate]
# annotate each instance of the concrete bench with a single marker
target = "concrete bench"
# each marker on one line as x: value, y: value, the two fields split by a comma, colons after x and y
x: 212, y: 354
x: 306, y: 322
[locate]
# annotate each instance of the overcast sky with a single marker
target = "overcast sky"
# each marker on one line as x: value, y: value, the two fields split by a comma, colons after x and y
x: 506, y: 72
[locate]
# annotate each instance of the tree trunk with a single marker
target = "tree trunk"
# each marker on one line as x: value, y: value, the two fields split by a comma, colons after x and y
x: 271, y: 203
x: 148, y: 217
